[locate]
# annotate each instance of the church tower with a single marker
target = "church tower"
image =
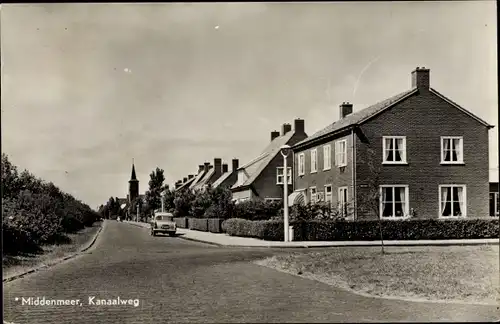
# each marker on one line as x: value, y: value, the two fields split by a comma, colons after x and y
x: 133, y: 186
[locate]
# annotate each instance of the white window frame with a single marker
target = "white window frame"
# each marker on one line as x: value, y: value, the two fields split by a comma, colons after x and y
x: 314, y: 162
x: 464, y: 212
x: 329, y: 194
x: 327, y: 157
x: 340, y: 203
x: 460, y: 145
x: 495, y: 203
x: 339, y: 154
x: 313, y: 198
x: 406, y: 212
x: 384, y: 148
x: 279, y: 174
x: 301, y: 164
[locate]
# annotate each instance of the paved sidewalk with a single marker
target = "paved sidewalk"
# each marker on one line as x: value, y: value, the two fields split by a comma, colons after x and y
x: 234, y: 241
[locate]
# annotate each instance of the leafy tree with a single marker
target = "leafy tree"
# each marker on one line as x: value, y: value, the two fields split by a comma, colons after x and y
x: 168, y: 200
x: 10, y: 178
x: 153, y: 195
x: 182, y: 202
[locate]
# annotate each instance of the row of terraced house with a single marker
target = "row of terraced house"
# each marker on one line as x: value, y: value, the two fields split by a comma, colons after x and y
x: 421, y: 154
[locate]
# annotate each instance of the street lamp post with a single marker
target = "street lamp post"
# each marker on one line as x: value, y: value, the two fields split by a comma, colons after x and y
x: 162, y: 194
x: 285, y: 150
x: 137, y: 218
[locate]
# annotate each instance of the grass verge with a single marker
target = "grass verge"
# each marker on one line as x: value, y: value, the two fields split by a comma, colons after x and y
x: 67, y: 245
x: 467, y: 274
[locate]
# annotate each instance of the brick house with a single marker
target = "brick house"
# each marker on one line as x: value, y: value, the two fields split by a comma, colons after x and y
x: 262, y: 178
x: 418, y: 152
x: 228, y: 178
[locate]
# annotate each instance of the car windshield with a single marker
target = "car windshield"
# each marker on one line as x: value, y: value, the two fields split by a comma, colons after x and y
x: 165, y: 218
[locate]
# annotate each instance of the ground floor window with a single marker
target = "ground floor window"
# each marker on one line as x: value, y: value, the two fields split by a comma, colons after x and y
x: 328, y: 194
x: 394, y: 201
x: 494, y: 204
x: 312, y: 192
x: 452, y: 200
x: 342, y: 200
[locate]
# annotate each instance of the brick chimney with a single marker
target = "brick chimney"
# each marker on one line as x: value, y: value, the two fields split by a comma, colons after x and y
x: 191, y: 176
x: 345, y: 109
x: 285, y: 128
x: 218, y: 166
x: 201, y: 167
x: 206, y: 166
x: 224, y: 168
x: 420, y: 78
x: 274, y: 134
x: 177, y: 185
x: 299, y: 126
x: 235, y: 164
x: 184, y: 180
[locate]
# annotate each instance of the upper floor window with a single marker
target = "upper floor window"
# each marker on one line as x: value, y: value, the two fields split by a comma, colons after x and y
x: 327, y: 157
x: 341, y: 153
x: 394, y: 148
x: 494, y: 204
x: 452, y: 200
x: 279, y: 176
x: 452, y: 149
x: 394, y: 201
x: 302, y: 164
x: 314, y: 160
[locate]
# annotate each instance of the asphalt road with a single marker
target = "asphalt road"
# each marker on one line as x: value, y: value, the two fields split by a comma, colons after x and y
x: 176, y: 280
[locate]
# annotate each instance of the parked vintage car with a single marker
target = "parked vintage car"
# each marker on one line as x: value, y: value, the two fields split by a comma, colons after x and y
x: 163, y: 223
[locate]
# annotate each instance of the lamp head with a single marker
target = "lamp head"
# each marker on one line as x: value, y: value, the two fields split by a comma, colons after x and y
x: 285, y: 150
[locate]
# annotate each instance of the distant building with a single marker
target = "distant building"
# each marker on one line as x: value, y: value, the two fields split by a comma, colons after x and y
x: 133, y: 193
x: 262, y: 178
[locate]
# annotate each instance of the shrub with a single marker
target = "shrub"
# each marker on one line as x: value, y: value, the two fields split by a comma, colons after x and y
x: 202, y: 201
x: 198, y: 224
x: 331, y: 230
x: 256, y: 209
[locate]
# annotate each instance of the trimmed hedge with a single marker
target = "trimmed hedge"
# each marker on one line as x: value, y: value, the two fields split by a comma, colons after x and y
x: 181, y: 222
x: 198, y: 224
x: 416, y: 229
x: 215, y: 225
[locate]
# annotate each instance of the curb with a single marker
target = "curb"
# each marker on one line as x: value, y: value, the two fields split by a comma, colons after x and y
x: 201, y: 241
x: 58, y: 261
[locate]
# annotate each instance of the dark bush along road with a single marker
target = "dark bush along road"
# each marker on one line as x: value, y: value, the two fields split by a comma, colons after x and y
x: 182, y: 281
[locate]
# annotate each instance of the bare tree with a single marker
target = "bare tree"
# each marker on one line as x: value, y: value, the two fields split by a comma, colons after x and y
x: 371, y: 198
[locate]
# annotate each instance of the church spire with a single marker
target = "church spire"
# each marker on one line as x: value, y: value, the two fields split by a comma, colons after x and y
x: 133, y: 177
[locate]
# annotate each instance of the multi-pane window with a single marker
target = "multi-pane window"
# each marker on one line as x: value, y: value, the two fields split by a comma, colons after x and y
x: 452, y: 149
x: 494, y: 204
x: 301, y: 163
x: 279, y: 175
x: 394, y: 148
x: 394, y: 201
x: 341, y: 153
x: 314, y: 160
x: 312, y: 193
x: 327, y: 157
x: 328, y: 194
x: 342, y: 200
x: 452, y: 200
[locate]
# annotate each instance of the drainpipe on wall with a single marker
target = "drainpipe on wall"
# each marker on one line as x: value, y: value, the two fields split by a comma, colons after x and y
x: 353, y: 168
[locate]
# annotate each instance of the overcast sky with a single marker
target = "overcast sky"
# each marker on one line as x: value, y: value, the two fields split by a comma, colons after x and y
x: 88, y: 87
